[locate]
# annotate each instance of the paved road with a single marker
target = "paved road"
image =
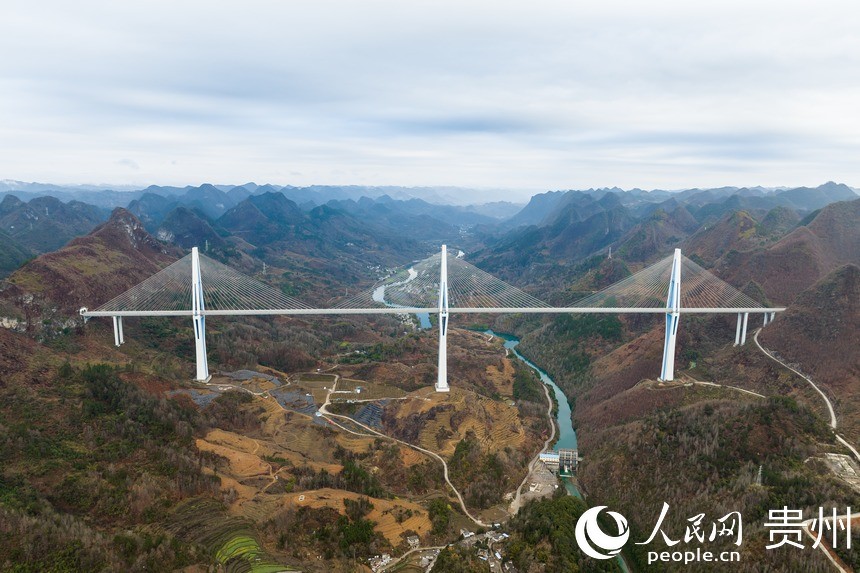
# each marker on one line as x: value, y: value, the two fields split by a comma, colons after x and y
x: 408, y: 553
x: 833, y: 421
x: 745, y: 391
x: 828, y: 551
x: 515, y: 504
x: 811, y: 383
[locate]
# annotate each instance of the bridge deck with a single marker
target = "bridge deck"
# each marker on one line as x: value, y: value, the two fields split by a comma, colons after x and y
x: 452, y: 310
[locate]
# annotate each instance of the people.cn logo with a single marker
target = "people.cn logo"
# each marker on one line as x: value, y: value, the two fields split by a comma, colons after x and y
x: 590, y: 537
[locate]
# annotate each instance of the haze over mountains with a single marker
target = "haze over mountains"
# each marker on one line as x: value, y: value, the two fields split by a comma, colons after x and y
x: 556, y: 227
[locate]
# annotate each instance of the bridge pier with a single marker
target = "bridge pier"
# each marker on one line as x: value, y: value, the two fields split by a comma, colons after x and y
x: 118, y: 337
x: 442, y: 377
x: 198, y: 318
x: 673, y: 306
x: 738, y: 329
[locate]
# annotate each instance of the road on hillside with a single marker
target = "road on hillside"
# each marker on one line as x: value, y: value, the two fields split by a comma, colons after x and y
x: 833, y: 421
x: 515, y: 504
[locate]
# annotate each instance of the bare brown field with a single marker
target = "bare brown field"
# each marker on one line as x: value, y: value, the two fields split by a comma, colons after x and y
x: 240, y: 452
x: 244, y: 493
x: 302, y: 443
x: 369, y: 390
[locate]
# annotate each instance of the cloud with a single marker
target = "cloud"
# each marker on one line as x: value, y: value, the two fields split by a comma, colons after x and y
x: 130, y: 163
x: 496, y: 94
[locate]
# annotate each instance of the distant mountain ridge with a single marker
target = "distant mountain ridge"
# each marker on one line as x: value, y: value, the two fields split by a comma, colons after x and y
x: 108, y: 197
x: 45, y: 224
x: 544, y: 208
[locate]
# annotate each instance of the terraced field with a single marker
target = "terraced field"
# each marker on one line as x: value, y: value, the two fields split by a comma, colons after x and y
x: 312, y: 443
x: 229, y: 540
x: 354, y: 443
x: 411, y: 457
x: 249, y: 474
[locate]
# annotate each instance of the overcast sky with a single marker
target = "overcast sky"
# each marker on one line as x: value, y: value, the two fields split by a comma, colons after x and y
x: 521, y: 95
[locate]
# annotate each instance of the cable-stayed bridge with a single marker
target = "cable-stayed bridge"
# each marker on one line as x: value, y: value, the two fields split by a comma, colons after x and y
x: 444, y: 284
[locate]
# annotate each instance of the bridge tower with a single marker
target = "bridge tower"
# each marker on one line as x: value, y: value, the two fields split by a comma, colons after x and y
x: 673, y: 306
x: 442, y: 380
x: 198, y: 317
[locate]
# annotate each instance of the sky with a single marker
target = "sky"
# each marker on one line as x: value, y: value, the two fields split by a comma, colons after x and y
x: 496, y: 95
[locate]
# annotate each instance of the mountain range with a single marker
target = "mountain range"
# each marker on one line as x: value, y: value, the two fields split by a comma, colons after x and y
x: 110, y: 453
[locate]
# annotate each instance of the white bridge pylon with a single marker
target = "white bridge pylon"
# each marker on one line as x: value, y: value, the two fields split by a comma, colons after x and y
x: 199, y: 317
x: 443, y: 284
x: 673, y: 307
x: 442, y: 373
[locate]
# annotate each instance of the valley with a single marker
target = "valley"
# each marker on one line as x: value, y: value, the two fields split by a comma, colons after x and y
x: 320, y: 443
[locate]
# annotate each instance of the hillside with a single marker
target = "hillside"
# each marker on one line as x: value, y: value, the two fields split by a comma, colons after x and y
x: 538, y: 209
x: 820, y: 332
x: 151, y: 209
x: 87, y: 272
x: 797, y: 261
x: 535, y: 251
x: 658, y: 234
x: 187, y: 229
x: 274, y: 222
x: 12, y: 254
x: 736, y: 231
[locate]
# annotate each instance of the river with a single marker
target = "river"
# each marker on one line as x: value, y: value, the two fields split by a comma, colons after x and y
x: 566, y: 433
x: 379, y: 296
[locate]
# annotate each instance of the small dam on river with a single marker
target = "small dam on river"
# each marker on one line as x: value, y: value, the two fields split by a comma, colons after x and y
x: 562, y: 461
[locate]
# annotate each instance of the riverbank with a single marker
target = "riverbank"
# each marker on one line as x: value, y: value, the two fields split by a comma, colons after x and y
x: 563, y: 421
x: 566, y: 433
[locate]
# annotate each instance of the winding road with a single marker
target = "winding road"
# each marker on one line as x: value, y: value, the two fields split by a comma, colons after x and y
x: 807, y: 525
x: 833, y: 421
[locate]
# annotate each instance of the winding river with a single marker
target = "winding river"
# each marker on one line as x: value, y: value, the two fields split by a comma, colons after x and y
x: 379, y: 296
x: 566, y: 433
